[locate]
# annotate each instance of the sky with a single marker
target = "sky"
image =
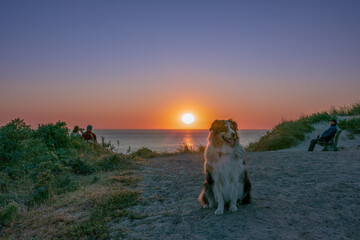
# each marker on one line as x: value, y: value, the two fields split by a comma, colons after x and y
x: 143, y: 64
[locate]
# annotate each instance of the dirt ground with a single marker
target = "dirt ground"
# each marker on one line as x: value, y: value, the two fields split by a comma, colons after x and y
x: 295, y: 195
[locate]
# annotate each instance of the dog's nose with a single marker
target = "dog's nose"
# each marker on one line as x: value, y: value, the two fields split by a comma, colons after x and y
x: 233, y: 135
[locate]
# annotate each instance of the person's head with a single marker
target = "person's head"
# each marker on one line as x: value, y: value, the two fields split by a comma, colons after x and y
x: 76, y: 129
x: 89, y: 128
x: 333, y: 121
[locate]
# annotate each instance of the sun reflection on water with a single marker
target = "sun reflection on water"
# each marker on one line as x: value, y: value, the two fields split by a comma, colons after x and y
x: 188, y: 141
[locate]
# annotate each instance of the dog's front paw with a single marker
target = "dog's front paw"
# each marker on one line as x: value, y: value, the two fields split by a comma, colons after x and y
x: 233, y: 208
x: 206, y: 206
x: 219, y: 211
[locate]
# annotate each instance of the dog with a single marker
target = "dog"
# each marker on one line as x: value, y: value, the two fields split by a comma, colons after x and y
x: 226, y: 179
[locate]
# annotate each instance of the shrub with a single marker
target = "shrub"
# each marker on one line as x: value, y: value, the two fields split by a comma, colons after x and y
x: 11, y: 136
x: 41, y: 193
x: 145, y: 153
x: 33, y: 151
x: 201, y: 149
x: 80, y: 166
x: 8, y: 213
x: 55, y: 136
x: 65, y: 183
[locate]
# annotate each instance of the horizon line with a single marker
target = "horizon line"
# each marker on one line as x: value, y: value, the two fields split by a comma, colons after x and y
x: 173, y: 129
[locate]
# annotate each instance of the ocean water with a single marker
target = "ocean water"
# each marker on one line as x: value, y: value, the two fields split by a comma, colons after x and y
x: 165, y: 140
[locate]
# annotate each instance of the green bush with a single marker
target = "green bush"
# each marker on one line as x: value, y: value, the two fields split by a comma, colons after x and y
x: 11, y: 136
x: 145, y: 153
x: 81, y: 167
x: 55, y: 136
x: 65, y: 183
x: 34, y: 151
x: 41, y: 193
x: 8, y: 213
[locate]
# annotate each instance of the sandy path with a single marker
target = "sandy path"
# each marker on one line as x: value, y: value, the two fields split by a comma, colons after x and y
x: 294, y: 196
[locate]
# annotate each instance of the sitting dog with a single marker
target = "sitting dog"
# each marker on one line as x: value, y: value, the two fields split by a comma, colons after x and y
x: 226, y: 181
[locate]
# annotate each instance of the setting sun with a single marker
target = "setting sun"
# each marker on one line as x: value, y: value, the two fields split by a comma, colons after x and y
x: 188, y: 118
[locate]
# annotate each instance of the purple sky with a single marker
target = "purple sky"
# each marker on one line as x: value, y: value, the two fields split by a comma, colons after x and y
x: 141, y: 64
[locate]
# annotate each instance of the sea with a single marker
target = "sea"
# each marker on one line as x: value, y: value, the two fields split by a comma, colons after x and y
x: 127, y: 141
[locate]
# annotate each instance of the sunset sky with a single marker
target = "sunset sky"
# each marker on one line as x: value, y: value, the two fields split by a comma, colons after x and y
x: 143, y: 64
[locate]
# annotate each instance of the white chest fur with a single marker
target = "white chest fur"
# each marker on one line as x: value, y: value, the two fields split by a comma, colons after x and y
x: 227, y: 168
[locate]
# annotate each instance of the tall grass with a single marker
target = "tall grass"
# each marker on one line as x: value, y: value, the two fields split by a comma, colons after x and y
x: 351, y: 125
x: 285, y: 135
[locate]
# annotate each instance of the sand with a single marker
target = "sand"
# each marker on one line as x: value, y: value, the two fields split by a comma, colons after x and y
x: 295, y: 195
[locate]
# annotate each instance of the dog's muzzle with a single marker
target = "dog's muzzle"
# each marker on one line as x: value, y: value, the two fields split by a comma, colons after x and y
x: 231, y: 140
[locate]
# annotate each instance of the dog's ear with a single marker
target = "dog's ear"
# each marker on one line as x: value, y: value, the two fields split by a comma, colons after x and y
x: 233, y: 124
x: 214, y: 125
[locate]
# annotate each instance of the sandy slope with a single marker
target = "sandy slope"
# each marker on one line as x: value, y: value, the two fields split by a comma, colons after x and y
x: 296, y: 195
x: 346, y: 140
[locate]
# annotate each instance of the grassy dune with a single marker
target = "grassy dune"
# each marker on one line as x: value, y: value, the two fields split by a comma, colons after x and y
x: 56, y: 186
x: 289, y: 133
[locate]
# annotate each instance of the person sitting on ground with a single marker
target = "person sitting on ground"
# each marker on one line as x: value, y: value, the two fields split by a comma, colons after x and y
x: 89, y: 135
x: 75, y: 132
x: 325, y: 136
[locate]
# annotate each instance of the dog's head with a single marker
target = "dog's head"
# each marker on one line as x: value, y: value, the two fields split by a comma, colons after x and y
x: 224, y: 131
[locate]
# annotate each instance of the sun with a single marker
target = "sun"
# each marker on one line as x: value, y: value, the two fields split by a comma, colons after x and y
x: 188, y: 118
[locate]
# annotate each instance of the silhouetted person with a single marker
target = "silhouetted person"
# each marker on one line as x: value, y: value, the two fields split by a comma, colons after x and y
x: 89, y: 135
x: 76, y: 131
x: 325, y: 136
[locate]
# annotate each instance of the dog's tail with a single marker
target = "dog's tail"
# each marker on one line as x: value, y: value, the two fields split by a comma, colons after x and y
x: 201, y: 198
x: 247, y: 189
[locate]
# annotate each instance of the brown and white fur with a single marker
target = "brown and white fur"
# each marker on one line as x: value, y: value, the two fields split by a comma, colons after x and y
x: 227, y: 182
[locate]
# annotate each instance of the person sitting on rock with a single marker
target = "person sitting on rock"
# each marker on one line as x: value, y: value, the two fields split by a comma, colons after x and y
x: 325, y: 136
x: 89, y: 135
